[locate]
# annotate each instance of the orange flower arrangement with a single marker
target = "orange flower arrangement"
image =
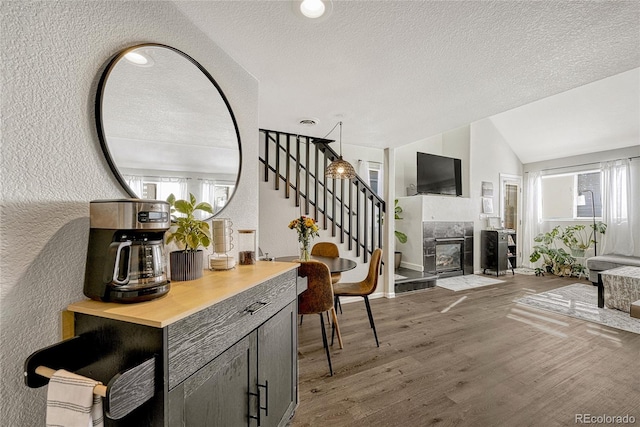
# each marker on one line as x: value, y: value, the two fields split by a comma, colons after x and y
x: 307, y: 229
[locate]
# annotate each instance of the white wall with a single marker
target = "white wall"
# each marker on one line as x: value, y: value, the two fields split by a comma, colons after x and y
x: 491, y: 156
x: 353, y: 153
x: 411, y: 225
x: 421, y: 208
x: 52, y: 56
x: 406, y: 161
x: 486, y: 155
x: 454, y: 143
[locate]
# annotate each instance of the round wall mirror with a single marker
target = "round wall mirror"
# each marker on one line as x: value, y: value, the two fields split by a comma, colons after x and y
x: 166, y: 127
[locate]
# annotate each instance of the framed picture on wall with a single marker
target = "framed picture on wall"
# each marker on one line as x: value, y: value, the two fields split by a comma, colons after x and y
x: 487, y: 189
x: 487, y: 205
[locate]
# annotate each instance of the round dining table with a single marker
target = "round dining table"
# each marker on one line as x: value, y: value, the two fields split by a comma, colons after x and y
x: 336, y: 265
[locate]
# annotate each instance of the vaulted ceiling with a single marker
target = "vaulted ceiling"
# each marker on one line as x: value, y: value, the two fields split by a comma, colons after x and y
x: 399, y: 71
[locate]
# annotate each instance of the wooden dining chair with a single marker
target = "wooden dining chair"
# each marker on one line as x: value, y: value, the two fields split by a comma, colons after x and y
x: 363, y: 288
x: 318, y: 298
x: 329, y: 250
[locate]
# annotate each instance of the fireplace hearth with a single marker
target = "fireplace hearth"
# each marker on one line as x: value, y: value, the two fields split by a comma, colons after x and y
x: 448, y: 248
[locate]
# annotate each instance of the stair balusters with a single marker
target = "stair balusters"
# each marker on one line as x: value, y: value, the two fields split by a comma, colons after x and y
x: 349, y: 208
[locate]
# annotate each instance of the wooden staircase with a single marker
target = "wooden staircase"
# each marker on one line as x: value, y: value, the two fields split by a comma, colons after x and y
x: 349, y: 208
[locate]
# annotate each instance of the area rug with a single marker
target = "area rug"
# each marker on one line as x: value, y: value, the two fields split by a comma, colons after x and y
x: 462, y: 283
x: 581, y: 301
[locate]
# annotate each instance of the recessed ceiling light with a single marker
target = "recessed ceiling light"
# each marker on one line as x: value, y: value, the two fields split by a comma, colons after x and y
x: 312, y: 8
x: 307, y: 11
x: 136, y: 58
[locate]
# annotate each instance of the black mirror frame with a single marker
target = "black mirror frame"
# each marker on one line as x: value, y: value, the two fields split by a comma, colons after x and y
x: 98, y: 115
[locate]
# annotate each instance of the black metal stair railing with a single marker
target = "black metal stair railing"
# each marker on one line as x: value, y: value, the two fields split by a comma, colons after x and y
x: 350, y: 208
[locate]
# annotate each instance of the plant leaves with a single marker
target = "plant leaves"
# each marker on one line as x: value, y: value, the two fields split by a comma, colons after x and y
x: 190, y: 232
x: 401, y: 236
x: 184, y: 207
x: 204, y: 206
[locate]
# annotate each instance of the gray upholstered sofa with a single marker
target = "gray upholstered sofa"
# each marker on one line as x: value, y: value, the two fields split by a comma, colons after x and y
x: 600, y: 263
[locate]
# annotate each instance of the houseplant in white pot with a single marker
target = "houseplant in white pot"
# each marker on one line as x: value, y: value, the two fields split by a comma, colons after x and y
x: 578, y: 239
x: 190, y: 234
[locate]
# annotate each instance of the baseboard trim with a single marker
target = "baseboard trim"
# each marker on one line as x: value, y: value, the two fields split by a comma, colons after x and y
x: 411, y: 266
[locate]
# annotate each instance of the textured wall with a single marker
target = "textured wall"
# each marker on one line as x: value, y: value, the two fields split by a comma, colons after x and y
x: 491, y: 156
x: 52, y: 164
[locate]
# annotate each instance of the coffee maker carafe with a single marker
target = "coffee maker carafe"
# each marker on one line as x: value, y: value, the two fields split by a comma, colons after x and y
x: 126, y: 255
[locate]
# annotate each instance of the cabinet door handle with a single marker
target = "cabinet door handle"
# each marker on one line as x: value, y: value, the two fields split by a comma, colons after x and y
x: 256, y: 307
x: 266, y: 399
x: 255, y: 417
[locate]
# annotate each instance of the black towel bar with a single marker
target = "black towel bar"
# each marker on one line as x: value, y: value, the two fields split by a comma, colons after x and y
x: 123, y: 393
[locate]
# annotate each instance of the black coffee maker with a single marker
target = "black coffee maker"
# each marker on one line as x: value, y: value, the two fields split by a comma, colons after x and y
x: 126, y: 256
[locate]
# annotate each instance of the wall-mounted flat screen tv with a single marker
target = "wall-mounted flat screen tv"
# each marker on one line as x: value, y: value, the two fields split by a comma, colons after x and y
x: 439, y: 175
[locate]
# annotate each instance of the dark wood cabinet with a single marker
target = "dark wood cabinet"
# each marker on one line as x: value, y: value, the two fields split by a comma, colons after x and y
x: 217, y: 395
x: 225, y: 348
x: 252, y: 383
x: 277, y: 366
x: 498, y: 251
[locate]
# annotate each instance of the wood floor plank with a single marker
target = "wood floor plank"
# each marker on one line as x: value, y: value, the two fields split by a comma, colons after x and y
x: 484, y: 361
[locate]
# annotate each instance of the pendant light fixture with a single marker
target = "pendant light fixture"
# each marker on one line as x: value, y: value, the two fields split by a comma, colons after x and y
x: 339, y: 168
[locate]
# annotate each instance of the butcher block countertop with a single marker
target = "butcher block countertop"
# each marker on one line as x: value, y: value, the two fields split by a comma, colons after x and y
x: 186, y: 298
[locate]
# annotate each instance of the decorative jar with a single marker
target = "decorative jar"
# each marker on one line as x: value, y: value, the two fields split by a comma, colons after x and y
x: 246, y: 247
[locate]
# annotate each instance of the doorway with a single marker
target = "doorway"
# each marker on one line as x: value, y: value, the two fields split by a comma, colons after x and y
x: 511, y: 208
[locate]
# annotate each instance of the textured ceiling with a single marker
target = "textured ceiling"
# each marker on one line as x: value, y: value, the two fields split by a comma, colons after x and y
x: 399, y: 71
x: 603, y: 115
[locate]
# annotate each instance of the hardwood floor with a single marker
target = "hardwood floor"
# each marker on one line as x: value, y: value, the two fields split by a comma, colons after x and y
x: 485, y: 362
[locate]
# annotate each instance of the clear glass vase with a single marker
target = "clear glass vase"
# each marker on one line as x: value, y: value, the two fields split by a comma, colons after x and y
x: 304, y: 251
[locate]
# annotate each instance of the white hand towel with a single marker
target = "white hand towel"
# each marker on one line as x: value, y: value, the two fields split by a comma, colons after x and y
x: 71, y: 402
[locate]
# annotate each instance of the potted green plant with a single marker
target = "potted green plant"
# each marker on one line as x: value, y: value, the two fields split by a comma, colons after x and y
x: 578, y: 240
x: 556, y: 260
x: 402, y: 238
x: 190, y: 234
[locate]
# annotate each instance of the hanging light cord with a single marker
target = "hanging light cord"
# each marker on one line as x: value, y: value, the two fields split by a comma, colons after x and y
x: 332, y: 129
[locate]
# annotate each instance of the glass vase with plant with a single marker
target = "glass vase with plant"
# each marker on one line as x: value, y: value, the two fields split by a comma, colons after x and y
x: 307, y: 229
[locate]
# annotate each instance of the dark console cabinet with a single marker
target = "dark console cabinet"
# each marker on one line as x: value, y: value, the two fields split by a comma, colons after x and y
x: 251, y: 383
x: 498, y: 251
x: 224, y: 346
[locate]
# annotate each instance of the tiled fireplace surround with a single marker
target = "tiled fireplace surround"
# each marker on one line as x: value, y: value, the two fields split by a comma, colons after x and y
x: 449, y: 234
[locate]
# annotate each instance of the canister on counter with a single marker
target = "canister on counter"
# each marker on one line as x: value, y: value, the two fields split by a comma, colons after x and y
x: 247, y: 247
